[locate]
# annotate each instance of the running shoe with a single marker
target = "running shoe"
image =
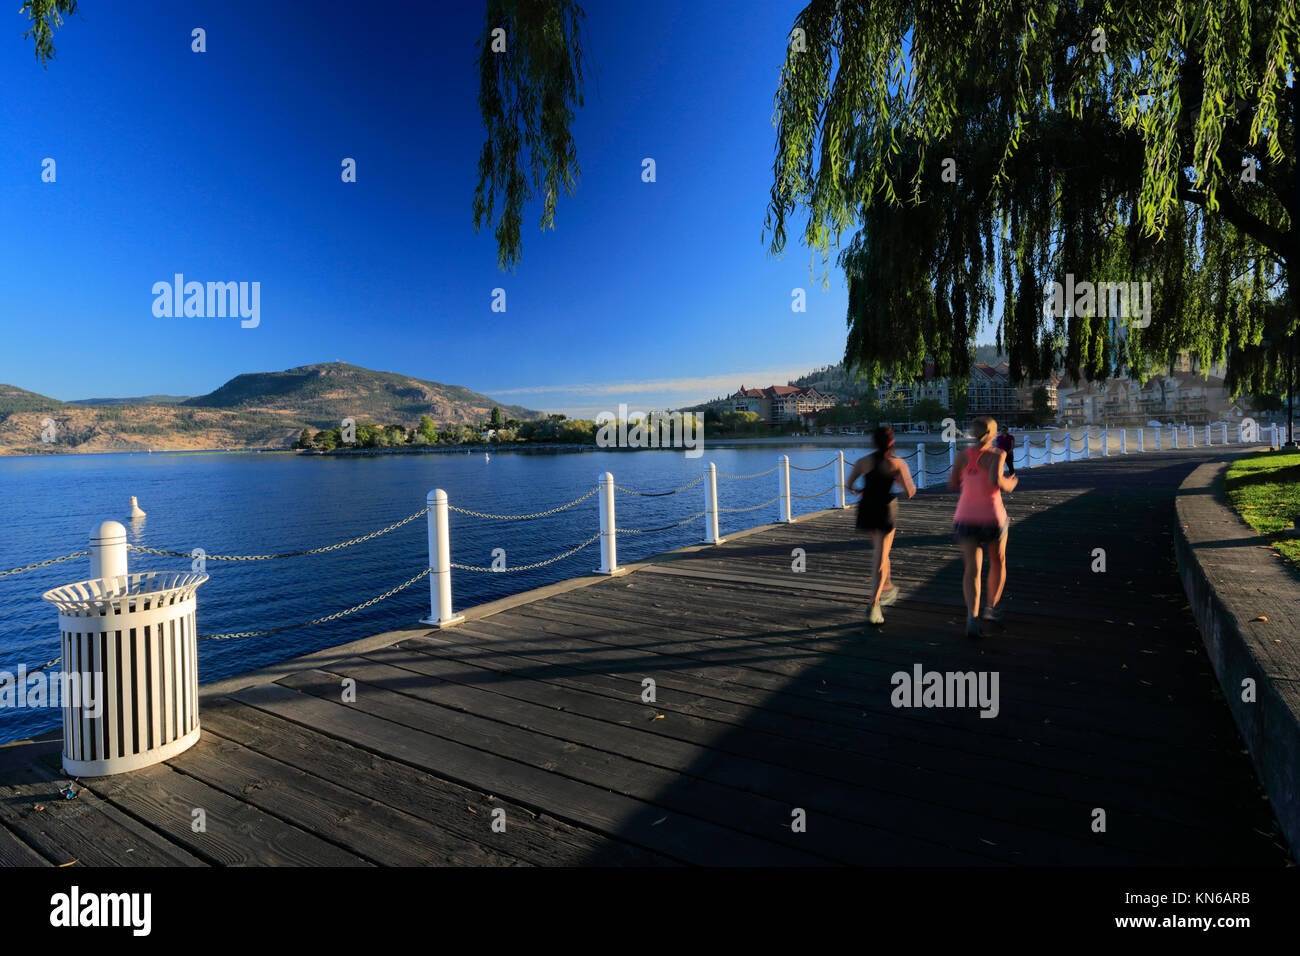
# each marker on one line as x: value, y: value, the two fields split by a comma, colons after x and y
x: 874, y: 616
x: 973, y: 627
x: 888, y: 596
x: 993, y: 615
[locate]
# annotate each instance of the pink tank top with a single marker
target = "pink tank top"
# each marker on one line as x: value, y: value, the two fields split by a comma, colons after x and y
x: 981, y: 501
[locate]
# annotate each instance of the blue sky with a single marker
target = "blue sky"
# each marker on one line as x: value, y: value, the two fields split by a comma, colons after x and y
x: 225, y: 166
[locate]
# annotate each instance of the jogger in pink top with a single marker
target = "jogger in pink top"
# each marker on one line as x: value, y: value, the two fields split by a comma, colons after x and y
x: 981, y: 520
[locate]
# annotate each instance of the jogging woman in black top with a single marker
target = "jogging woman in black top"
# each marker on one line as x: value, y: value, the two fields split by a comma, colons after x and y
x: 877, y: 510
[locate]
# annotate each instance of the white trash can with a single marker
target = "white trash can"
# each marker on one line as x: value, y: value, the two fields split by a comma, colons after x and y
x: 136, y: 634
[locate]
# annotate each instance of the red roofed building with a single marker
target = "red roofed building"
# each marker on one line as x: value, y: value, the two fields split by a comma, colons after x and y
x: 779, y: 403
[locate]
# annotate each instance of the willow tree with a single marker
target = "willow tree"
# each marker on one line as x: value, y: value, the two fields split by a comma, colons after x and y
x: 976, y: 150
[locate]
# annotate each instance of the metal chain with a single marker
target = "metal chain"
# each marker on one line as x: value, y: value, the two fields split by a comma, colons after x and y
x: 319, y: 620
x: 664, y: 528
x: 33, y: 670
x: 758, y: 475
x: 540, y: 514
x: 289, y: 554
x: 819, y: 467
x: 818, y: 495
x: 753, y: 507
x: 529, y: 567
x: 661, y: 494
x: 44, y: 564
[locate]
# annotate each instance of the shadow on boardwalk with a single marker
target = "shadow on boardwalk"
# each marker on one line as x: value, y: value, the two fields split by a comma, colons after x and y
x: 772, y: 696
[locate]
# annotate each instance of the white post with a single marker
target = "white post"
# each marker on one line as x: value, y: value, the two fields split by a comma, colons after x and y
x: 920, y: 466
x: 1123, y: 441
x: 1069, y: 446
x: 1225, y: 433
x: 1275, y: 444
x: 1140, y: 448
x: 1105, y: 441
x: 1207, y: 434
x: 108, y: 553
x: 1173, y: 436
x: 1157, y: 438
x: 841, y: 496
x: 1087, y: 442
x: 1191, y: 437
x: 783, y: 503
x: 608, y: 532
x: 711, y: 503
x: 952, y: 454
x: 440, y: 614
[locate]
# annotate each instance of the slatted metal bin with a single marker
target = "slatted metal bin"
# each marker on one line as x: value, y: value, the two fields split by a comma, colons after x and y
x: 135, y: 633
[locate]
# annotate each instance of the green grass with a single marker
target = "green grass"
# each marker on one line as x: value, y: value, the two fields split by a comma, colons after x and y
x: 1265, y: 490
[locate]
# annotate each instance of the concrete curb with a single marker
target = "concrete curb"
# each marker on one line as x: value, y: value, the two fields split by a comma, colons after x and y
x: 1231, y: 581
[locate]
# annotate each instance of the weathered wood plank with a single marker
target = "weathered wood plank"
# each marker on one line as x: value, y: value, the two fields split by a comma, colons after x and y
x: 85, y: 829
x: 235, y: 833
x: 367, y: 828
x: 893, y: 767
x: 678, y: 836
x: 536, y: 838
x: 14, y: 852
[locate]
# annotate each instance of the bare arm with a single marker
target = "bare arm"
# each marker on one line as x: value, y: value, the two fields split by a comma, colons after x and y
x: 954, y: 478
x: 996, y: 478
x: 905, y: 477
x: 858, y: 471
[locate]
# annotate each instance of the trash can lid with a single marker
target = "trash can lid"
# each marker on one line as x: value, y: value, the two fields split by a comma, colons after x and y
x: 96, y: 593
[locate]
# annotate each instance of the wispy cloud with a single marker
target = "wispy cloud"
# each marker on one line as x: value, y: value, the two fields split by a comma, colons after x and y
x: 692, y: 390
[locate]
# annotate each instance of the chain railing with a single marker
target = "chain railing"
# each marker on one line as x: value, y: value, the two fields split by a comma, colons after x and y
x: 819, y: 467
x: 757, y: 474
x: 762, y: 504
x: 44, y: 564
x: 667, y: 527
x: 527, y: 567
x: 818, y: 495
x: 320, y: 620
x: 661, y: 494
x: 288, y: 554
x: 539, y: 514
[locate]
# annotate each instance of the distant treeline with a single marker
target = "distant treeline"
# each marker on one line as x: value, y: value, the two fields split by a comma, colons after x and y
x: 555, y: 429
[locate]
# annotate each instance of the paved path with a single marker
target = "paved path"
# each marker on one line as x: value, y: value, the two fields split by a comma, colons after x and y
x: 772, y: 705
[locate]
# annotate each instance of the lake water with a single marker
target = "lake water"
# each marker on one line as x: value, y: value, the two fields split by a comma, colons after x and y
x: 272, y: 503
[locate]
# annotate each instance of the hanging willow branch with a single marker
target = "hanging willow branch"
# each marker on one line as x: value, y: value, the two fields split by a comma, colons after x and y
x: 530, y: 80
x: 1100, y: 139
x: 45, y: 17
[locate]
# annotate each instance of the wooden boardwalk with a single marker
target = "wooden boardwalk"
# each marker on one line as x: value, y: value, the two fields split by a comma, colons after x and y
x: 772, y: 695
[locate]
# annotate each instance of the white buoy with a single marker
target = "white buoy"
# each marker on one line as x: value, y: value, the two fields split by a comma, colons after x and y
x: 135, y: 508
x: 486, y: 456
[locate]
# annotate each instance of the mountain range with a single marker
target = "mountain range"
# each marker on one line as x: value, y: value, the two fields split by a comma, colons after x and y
x: 254, y: 410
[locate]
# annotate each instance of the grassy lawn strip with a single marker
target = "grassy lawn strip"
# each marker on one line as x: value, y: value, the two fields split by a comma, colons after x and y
x: 1265, y: 490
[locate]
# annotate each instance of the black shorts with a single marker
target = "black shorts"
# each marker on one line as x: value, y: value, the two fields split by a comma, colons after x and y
x: 981, y: 533
x: 878, y: 516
